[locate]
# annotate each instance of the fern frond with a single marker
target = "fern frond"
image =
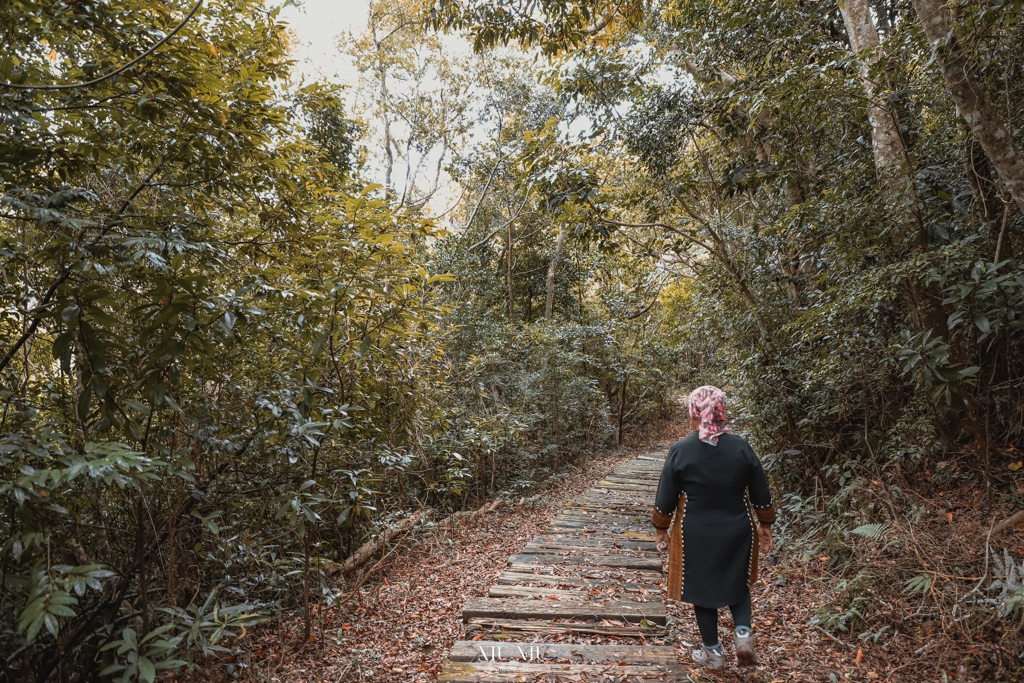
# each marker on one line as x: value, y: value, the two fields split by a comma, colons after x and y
x: 919, y: 585
x: 876, y: 532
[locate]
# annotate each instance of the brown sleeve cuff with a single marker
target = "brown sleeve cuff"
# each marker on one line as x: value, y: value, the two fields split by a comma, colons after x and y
x: 765, y: 515
x: 660, y: 521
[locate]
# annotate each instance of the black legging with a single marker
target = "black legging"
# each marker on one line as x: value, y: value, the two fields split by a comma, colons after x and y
x: 707, y: 619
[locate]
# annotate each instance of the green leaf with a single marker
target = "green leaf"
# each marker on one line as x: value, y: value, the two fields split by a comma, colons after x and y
x: 128, y: 636
x: 84, y: 402
x: 318, y: 347
x: 70, y: 314
x: 147, y: 672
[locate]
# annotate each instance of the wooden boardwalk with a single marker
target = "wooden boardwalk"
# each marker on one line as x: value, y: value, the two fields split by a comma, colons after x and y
x: 582, y: 602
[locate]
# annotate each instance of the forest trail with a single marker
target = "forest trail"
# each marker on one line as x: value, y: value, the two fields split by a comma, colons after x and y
x: 592, y: 576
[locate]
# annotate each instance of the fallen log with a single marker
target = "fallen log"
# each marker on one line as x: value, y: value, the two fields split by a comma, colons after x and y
x: 367, y: 550
x: 1011, y: 521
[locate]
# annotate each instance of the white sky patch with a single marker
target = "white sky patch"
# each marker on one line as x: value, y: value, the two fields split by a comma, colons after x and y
x: 316, y: 26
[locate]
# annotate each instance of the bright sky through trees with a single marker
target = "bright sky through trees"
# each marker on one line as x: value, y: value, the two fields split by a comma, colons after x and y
x: 316, y: 25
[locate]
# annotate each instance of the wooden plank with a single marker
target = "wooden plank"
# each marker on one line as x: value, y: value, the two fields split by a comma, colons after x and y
x: 627, y: 486
x: 553, y: 540
x: 582, y: 545
x: 508, y: 591
x: 508, y: 672
x: 630, y: 522
x: 489, y: 625
x: 640, y: 577
x: 638, y: 504
x: 609, y: 505
x: 522, y: 578
x: 497, y: 650
x: 616, y: 560
x: 628, y: 536
x: 619, y: 520
x: 568, y: 527
x: 514, y: 608
x: 627, y: 482
x: 635, y: 477
x: 608, y: 592
x: 569, y: 550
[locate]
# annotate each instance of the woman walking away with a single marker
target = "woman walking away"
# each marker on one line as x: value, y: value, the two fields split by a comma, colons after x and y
x: 706, y: 480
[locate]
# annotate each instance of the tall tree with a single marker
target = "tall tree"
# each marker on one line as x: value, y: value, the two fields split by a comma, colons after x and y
x: 970, y: 99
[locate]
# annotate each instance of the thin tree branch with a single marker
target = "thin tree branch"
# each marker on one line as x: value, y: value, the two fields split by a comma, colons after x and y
x: 100, y: 79
x: 66, y: 273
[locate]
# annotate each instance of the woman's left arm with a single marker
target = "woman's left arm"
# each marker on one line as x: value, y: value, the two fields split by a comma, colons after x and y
x: 761, y: 499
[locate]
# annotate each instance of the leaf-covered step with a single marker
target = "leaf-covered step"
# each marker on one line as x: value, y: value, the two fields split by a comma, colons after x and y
x: 513, y: 629
x: 609, y: 592
x: 610, y: 560
x: 516, y: 608
x: 523, y: 578
x: 502, y: 672
x: 497, y: 650
x: 589, y: 542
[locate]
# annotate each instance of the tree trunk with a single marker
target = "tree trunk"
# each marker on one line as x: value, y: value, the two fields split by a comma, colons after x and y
x: 892, y: 163
x: 897, y: 185
x: 307, y: 622
x: 970, y: 99
x: 508, y: 273
x: 622, y: 411
x: 549, y: 305
x: 382, y: 73
x: 887, y: 145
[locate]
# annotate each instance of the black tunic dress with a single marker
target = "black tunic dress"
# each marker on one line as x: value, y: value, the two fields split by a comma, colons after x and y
x: 718, y: 543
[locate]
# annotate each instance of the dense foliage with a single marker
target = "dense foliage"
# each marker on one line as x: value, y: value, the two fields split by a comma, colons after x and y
x: 228, y: 357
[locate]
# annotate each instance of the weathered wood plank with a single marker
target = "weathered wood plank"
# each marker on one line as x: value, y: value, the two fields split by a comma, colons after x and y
x: 553, y: 540
x: 628, y: 535
x: 569, y: 550
x: 638, y: 576
x: 497, y: 650
x: 512, y: 591
x: 522, y: 578
x: 616, y: 560
x: 567, y: 545
x: 639, y: 487
x: 647, y: 477
x: 514, y: 608
x: 514, y: 628
x: 639, y: 504
x: 610, y: 507
x: 502, y: 672
x: 608, y: 592
x: 619, y: 520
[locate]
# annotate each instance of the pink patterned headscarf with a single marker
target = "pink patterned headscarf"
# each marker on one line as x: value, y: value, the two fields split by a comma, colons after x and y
x: 707, y: 404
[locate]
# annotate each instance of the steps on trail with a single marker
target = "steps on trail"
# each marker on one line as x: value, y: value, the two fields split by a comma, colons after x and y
x: 583, y: 602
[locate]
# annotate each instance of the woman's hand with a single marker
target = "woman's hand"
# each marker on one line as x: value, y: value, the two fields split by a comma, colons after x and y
x: 764, y: 534
x: 661, y: 540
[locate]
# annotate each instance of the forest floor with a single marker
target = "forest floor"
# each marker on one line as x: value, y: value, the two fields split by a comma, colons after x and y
x: 402, y: 625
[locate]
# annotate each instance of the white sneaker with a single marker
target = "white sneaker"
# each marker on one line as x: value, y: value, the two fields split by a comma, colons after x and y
x: 712, y: 658
x: 745, y: 649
